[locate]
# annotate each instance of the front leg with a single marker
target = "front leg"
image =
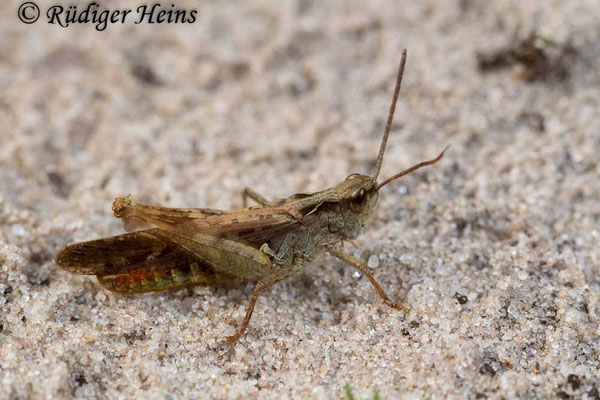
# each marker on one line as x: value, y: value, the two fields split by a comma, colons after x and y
x: 364, y: 269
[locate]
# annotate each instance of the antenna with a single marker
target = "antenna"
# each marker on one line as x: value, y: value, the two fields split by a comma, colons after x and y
x: 411, y: 169
x: 388, y: 125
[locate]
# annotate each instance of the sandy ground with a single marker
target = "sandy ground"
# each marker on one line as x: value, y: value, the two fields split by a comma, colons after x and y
x: 495, y: 249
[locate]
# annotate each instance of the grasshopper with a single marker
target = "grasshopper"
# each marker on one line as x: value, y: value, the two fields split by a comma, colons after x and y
x: 168, y: 248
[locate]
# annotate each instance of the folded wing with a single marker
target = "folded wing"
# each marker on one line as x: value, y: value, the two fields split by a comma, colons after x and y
x: 175, y: 247
x: 254, y: 227
x: 139, y: 262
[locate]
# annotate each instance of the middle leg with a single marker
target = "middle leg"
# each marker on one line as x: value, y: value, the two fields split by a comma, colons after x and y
x: 260, y: 287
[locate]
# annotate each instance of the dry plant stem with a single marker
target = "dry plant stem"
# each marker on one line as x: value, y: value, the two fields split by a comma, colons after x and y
x: 364, y: 269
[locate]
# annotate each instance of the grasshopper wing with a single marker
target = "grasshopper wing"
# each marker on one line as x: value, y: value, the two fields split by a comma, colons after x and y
x: 139, y: 262
x: 179, y: 247
x: 130, y: 252
x: 251, y: 226
x: 140, y: 216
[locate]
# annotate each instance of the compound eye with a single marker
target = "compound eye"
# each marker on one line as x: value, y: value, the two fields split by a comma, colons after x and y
x: 359, y: 195
x: 358, y: 200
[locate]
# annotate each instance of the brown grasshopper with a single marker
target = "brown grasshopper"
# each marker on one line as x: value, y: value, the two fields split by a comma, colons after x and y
x: 174, y: 247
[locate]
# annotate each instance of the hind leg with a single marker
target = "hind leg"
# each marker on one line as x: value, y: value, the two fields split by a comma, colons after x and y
x: 249, y: 193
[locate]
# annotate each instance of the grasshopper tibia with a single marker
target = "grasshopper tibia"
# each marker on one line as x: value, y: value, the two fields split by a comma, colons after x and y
x: 260, y: 287
x: 364, y: 269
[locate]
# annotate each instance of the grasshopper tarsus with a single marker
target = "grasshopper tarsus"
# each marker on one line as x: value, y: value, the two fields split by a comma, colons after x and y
x: 235, y: 337
x: 176, y: 247
x: 396, y: 306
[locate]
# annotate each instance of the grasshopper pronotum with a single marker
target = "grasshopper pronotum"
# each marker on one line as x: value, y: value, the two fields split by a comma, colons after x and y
x: 174, y: 247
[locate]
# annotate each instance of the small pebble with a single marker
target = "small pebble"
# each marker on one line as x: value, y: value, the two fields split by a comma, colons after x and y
x: 523, y: 275
x: 373, y: 262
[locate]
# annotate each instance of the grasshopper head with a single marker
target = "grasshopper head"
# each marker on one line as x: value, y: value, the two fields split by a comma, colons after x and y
x: 355, y: 198
x: 361, y: 191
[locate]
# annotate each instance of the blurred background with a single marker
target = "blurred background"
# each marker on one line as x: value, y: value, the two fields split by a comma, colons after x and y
x: 495, y: 249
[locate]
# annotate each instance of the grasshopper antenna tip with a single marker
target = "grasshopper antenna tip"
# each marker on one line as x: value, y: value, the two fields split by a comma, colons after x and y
x: 412, y: 169
x: 388, y: 125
